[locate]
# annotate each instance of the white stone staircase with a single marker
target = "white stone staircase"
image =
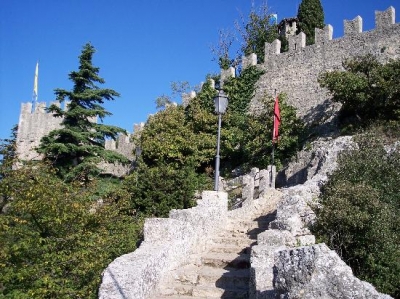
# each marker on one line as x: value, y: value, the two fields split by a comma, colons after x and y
x: 223, y: 269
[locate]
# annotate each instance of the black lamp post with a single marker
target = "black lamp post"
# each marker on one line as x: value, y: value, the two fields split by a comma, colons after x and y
x: 221, y: 102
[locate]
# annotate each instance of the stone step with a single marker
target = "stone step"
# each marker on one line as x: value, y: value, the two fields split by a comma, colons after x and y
x: 250, y: 233
x: 207, y: 275
x: 228, y: 248
x: 234, y: 241
x: 223, y: 278
x: 176, y: 297
x: 226, y: 260
x: 214, y: 292
x: 249, y: 224
x: 201, y: 291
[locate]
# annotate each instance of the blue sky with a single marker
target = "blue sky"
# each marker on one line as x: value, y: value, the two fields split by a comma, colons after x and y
x: 142, y: 46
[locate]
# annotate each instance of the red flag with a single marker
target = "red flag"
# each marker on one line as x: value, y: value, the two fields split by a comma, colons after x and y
x: 277, y: 121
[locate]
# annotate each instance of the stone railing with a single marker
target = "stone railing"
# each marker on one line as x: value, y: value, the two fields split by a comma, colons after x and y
x: 286, y: 262
x: 168, y: 242
x: 250, y: 186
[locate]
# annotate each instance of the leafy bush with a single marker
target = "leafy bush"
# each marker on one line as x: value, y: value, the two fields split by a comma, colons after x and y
x: 55, y: 240
x: 367, y: 90
x: 359, y: 215
x: 157, y: 189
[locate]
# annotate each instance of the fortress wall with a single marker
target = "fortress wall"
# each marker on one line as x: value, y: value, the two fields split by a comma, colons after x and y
x: 32, y: 126
x: 35, y: 124
x: 295, y: 72
x: 123, y: 145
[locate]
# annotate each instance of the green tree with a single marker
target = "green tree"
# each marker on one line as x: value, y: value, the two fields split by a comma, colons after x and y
x: 78, y: 147
x: 368, y: 90
x: 360, y: 208
x: 256, y: 31
x: 176, y: 147
x: 8, y: 152
x: 57, y: 238
x: 252, y: 32
x: 168, y: 138
x: 8, y: 158
x: 310, y: 16
x: 221, y: 50
x: 246, y: 138
x: 157, y: 189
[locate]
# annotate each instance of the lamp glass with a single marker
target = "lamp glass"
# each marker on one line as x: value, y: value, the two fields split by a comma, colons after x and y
x: 221, y: 102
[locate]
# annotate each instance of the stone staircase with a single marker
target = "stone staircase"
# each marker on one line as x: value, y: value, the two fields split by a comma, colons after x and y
x: 223, y: 269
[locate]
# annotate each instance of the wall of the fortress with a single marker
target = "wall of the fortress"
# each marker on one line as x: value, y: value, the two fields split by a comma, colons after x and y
x: 36, y: 123
x: 295, y: 72
x: 32, y: 126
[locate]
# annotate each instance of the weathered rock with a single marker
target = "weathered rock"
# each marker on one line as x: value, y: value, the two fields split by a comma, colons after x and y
x: 318, y: 272
x: 315, y: 163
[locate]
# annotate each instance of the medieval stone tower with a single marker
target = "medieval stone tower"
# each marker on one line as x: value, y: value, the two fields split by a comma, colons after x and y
x: 36, y: 123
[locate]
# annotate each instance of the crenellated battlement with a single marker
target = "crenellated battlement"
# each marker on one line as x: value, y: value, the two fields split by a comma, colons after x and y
x: 296, y: 72
x: 384, y: 20
x: 32, y: 126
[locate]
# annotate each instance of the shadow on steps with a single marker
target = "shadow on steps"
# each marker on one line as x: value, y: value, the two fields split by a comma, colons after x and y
x: 235, y: 282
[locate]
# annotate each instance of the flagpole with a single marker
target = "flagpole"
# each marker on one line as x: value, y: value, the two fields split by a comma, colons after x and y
x: 273, y: 128
x: 35, y: 87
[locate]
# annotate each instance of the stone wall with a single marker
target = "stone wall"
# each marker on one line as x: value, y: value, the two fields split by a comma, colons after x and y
x: 286, y: 263
x: 168, y: 243
x: 32, y: 126
x: 316, y: 272
x: 36, y: 123
x: 296, y: 71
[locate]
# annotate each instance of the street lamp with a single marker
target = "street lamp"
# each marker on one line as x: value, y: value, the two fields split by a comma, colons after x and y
x: 221, y: 102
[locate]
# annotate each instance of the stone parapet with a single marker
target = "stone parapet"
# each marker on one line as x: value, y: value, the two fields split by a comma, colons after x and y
x: 167, y: 244
x: 353, y: 27
x: 316, y: 272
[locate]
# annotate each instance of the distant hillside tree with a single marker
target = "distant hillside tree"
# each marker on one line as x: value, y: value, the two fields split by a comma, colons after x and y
x: 78, y: 147
x: 311, y: 16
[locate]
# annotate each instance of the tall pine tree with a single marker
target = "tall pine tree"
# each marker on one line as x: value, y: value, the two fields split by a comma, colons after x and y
x: 311, y: 16
x: 78, y: 147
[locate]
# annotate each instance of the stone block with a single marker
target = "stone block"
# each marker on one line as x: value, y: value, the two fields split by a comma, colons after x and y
x: 352, y: 27
x: 384, y: 19
x: 229, y: 73
x: 297, y: 43
x: 316, y: 272
x: 276, y: 238
x: 322, y: 36
x: 249, y: 60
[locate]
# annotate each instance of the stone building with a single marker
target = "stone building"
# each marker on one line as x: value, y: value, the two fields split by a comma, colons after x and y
x: 36, y: 123
x: 288, y: 27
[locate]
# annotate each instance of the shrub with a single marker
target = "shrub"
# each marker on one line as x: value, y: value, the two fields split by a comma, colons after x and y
x: 360, y: 212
